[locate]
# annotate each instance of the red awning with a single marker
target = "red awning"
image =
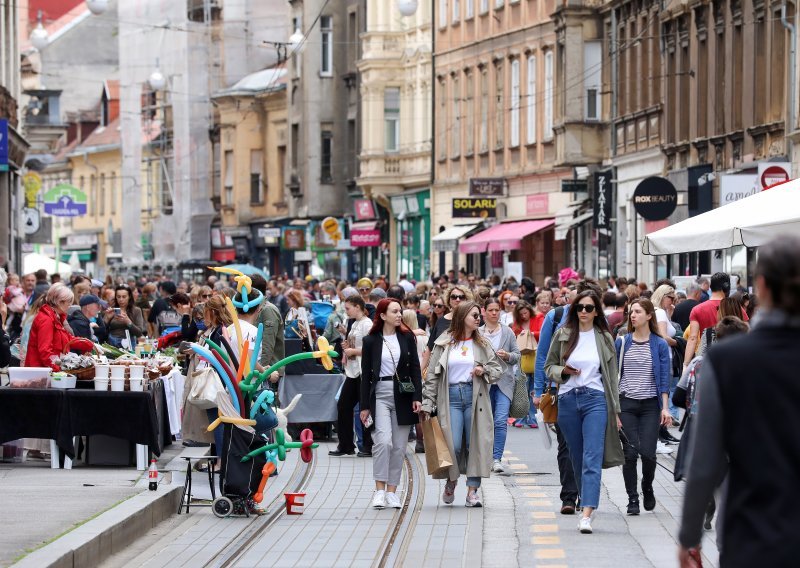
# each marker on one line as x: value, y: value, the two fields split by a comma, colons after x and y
x: 223, y: 255
x: 505, y: 236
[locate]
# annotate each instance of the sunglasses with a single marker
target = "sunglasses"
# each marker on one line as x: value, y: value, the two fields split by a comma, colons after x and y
x: 588, y: 308
x: 364, y: 289
x: 438, y: 306
x: 476, y: 316
x: 456, y: 297
x: 206, y: 295
x: 511, y: 303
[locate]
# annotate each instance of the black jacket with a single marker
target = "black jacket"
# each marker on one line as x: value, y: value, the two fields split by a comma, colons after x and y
x: 79, y: 324
x: 408, y: 368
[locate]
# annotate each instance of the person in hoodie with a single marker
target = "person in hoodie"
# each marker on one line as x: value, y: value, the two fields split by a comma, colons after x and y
x: 86, y: 323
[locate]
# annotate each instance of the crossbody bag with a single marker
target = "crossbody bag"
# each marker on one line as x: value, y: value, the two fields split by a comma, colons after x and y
x: 406, y: 387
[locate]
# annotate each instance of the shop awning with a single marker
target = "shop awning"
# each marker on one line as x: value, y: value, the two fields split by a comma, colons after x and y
x: 365, y: 234
x: 563, y: 227
x: 364, y: 226
x: 447, y: 240
x: 506, y: 236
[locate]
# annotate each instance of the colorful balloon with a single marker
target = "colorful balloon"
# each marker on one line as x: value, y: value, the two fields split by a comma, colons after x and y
x: 207, y: 356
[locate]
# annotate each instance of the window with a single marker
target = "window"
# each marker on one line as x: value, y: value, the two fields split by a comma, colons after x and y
x: 499, y: 105
x: 592, y: 72
x: 256, y: 191
x: 549, y: 93
x: 515, y: 102
x: 391, y: 119
x: 112, y: 192
x: 326, y: 153
x: 229, y: 178
x: 442, y: 122
x: 442, y: 13
x: 530, y: 124
x: 455, y: 132
x: 484, y: 110
x: 297, y: 59
x: 470, y: 9
x: 469, y: 115
x: 295, y: 146
x: 326, y: 28
x: 352, y: 41
x: 456, y: 11
x: 499, y: 4
x: 102, y: 196
x: 484, y: 6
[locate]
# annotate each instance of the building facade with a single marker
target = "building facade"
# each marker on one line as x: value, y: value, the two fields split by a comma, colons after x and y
x: 395, y: 166
x: 495, y: 110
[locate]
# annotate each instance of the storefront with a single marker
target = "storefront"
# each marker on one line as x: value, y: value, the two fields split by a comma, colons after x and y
x: 369, y: 238
x: 410, y: 245
x: 446, y: 244
x: 266, y: 239
x: 330, y: 250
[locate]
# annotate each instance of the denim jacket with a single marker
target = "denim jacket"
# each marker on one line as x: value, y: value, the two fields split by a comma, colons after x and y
x: 659, y: 352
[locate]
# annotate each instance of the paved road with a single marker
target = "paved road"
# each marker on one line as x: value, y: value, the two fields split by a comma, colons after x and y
x: 519, y: 526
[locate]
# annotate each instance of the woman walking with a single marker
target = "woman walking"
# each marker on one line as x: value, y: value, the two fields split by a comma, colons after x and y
x: 504, y: 345
x: 355, y: 309
x: 462, y: 367
x: 391, y: 392
x: 454, y: 296
x: 582, y: 360
x: 645, y: 373
x: 529, y: 320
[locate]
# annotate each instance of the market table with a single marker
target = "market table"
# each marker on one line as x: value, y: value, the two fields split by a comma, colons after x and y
x: 62, y: 415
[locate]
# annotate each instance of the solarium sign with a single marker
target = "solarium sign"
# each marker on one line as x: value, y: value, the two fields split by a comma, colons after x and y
x: 65, y: 200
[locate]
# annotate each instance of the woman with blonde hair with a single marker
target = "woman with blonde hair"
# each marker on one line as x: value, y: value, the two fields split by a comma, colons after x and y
x: 462, y: 366
x: 411, y: 321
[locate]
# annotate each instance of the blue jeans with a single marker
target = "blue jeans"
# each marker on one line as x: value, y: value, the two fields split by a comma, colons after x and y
x: 582, y: 417
x: 531, y: 416
x: 461, y: 421
x: 500, y: 406
x: 673, y: 410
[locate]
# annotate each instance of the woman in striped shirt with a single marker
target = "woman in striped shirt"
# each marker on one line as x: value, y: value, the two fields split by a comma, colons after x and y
x: 645, y: 370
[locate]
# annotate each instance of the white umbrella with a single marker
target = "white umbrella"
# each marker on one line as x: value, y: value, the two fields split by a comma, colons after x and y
x: 34, y: 261
x: 752, y: 221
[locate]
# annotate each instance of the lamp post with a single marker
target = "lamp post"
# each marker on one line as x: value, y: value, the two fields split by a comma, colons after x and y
x: 39, y: 36
x: 97, y: 7
x: 407, y: 7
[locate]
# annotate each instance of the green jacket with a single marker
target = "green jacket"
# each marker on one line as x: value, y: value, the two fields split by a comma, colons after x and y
x: 272, y: 345
x: 554, y: 366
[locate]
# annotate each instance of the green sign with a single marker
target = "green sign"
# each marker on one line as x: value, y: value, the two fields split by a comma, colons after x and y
x: 65, y: 200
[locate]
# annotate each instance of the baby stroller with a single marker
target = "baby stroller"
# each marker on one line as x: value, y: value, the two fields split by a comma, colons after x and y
x: 238, y: 480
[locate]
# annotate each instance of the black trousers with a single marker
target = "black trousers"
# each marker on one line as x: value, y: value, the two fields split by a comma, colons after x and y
x: 569, y: 489
x: 640, y: 420
x: 348, y: 398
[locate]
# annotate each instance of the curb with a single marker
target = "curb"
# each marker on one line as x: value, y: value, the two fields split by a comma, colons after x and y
x: 93, y: 542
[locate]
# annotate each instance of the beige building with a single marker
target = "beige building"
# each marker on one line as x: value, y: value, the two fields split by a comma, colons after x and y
x: 395, y: 69
x: 495, y: 109
x: 252, y: 140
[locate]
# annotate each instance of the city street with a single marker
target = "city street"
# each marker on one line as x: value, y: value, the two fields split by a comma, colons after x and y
x: 518, y: 526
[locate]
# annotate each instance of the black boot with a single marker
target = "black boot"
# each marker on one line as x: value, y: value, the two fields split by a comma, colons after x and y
x: 649, y: 499
x: 633, y: 505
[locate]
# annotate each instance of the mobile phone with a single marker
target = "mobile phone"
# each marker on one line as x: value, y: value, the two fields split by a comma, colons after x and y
x: 117, y: 311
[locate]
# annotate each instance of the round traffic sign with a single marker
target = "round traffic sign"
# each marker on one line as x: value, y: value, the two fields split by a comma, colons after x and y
x: 773, y: 175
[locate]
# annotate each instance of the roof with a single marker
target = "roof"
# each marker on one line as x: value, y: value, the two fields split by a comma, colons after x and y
x: 266, y: 80
x: 111, y: 87
x: 104, y: 138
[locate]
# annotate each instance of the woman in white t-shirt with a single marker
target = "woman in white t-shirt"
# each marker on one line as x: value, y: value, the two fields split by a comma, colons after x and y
x: 583, y: 361
x: 664, y: 301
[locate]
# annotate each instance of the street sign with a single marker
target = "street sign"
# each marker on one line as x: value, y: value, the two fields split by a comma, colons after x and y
x: 602, y: 200
x: 574, y: 185
x: 655, y: 198
x: 770, y: 173
x: 487, y: 187
x: 471, y: 207
x: 32, y: 183
x: 65, y: 200
x: 31, y: 220
x: 269, y: 232
x: 3, y: 144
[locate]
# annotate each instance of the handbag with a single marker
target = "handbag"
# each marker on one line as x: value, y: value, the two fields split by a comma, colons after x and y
x: 526, y: 342
x: 548, y: 404
x: 206, y: 385
x: 406, y: 387
x: 521, y: 402
x: 437, y: 454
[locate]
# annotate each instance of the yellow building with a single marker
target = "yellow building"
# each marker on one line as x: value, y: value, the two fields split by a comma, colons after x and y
x: 249, y: 190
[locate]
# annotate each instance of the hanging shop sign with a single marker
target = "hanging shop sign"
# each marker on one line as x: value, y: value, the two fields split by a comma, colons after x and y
x: 330, y: 227
x: 269, y: 232
x: 293, y: 238
x: 734, y: 187
x: 65, y: 200
x: 602, y: 200
x: 3, y: 144
x: 487, y: 187
x: 364, y: 210
x: 32, y: 183
x: 365, y: 235
x: 655, y: 198
x: 466, y: 207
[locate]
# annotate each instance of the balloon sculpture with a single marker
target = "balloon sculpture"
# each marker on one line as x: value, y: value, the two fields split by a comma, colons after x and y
x: 305, y: 445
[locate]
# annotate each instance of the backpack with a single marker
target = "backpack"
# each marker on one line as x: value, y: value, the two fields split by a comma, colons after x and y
x: 319, y: 314
x: 558, y: 315
x: 168, y: 319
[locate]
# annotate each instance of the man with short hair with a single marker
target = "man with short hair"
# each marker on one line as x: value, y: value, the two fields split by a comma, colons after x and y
x: 396, y: 291
x: 408, y: 287
x: 704, y: 284
x: 42, y: 285
x: 163, y: 315
x: 273, y: 347
x: 684, y: 309
x: 85, y: 323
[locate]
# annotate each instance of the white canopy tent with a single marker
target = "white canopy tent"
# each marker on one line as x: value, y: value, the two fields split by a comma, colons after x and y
x: 33, y: 261
x: 750, y: 222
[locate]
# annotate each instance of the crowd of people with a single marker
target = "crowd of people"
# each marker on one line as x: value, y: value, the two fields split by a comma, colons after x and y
x: 611, y: 354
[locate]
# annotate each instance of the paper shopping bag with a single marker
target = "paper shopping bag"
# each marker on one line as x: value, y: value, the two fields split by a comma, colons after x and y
x: 437, y: 454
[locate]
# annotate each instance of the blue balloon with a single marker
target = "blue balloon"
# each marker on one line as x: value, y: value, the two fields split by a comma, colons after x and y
x: 266, y: 398
x: 257, y: 346
x: 211, y: 360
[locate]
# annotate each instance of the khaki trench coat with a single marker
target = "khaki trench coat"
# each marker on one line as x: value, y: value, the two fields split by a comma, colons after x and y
x: 436, y: 395
x: 553, y: 367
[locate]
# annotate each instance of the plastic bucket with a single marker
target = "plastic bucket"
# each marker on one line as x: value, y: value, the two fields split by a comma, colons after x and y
x: 101, y: 384
x: 117, y: 371
x: 295, y: 503
x: 101, y: 371
x: 137, y: 385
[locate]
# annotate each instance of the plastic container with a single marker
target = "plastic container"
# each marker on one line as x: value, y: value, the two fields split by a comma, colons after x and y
x: 136, y: 371
x: 29, y: 377
x: 101, y: 384
x: 117, y: 378
x: 101, y: 371
x: 63, y: 381
x: 295, y: 503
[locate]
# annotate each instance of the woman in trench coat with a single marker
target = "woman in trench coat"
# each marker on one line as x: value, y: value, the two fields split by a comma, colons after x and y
x: 468, y: 418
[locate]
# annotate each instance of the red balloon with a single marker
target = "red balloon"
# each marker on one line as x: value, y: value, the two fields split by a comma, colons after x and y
x: 307, y: 438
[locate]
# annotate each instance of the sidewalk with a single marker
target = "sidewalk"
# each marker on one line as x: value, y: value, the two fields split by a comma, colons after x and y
x: 46, y: 503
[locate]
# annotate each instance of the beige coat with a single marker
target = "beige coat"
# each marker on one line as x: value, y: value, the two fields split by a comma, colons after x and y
x: 436, y: 395
x: 554, y: 366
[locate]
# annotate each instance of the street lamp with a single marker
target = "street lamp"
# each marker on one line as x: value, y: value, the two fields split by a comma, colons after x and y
x: 97, y: 7
x: 157, y: 81
x: 407, y: 7
x: 39, y: 36
x: 297, y: 41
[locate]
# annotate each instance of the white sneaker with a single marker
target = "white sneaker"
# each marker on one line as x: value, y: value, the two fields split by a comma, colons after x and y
x: 393, y: 501
x: 662, y: 448
x: 379, y: 499
x: 585, y: 525
x: 497, y: 467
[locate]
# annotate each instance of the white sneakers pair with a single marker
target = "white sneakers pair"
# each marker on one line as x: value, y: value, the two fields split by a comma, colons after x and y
x: 383, y: 499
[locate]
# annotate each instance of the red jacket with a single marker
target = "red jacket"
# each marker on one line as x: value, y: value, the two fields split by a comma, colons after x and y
x: 48, y: 339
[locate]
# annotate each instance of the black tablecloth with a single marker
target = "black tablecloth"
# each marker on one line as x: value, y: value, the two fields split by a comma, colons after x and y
x: 139, y: 417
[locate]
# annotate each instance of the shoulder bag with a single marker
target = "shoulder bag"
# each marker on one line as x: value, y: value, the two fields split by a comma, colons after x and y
x: 521, y: 403
x: 406, y: 387
x: 206, y: 384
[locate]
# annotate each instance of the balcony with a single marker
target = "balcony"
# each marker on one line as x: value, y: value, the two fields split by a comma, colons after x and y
x: 403, y: 169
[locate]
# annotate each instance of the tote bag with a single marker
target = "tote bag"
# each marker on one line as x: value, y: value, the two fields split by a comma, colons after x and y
x: 437, y: 454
